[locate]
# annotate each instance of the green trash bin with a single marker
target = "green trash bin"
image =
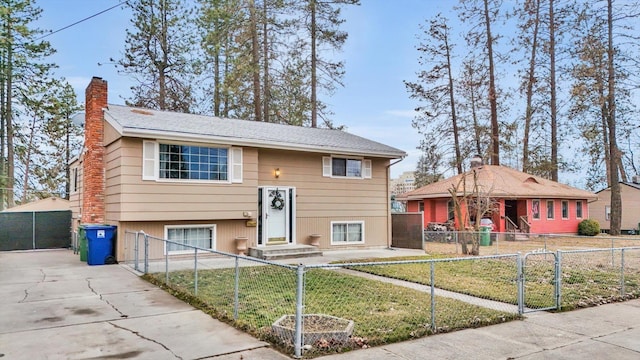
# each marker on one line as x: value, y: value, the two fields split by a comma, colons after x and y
x: 82, y: 243
x: 485, y: 236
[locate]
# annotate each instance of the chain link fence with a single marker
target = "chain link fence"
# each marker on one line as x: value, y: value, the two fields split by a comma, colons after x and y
x: 509, y: 243
x: 322, y: 308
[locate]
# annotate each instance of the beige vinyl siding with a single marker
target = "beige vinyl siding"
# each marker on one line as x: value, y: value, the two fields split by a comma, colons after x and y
x: 320, y: 200
x: 630, y: 204
x: 226, y: 232
x: 375, y: 231
x: 135, y: 199
x: 110, y: 134
x: 75, y: 197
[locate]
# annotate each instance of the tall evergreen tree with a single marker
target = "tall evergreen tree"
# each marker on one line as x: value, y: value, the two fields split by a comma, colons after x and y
x: 157, y: 55
x: 23, y: 62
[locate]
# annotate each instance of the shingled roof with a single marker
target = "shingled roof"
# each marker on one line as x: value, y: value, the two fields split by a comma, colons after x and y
x: 500, y: 182
x: 144, y: 123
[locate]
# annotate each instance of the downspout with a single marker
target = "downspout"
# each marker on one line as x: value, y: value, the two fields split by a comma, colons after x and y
x: 389, y: 202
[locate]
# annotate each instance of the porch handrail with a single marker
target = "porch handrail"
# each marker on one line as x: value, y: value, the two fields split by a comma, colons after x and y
x: 510, y: 226
x: 524, y: 224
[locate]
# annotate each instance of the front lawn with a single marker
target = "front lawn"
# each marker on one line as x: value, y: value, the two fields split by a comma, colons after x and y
x: 383, y: 313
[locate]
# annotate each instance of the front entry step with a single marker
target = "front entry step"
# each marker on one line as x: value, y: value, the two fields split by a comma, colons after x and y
x: 277, y: 252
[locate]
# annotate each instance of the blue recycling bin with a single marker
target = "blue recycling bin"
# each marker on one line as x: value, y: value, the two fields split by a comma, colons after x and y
x: 100, y: 244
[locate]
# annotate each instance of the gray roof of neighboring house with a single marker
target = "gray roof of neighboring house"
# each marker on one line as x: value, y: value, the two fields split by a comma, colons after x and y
x: 144, y: 123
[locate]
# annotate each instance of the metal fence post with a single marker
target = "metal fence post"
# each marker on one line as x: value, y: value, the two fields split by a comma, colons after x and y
x: 558, y: 279
x: 433, y: 298
x: 236, y: 289
x: 195, y: 272
x: 135, y: 252
x: 622, y: 272
x: 146, y: 253
x: 299, y: 309
x: 520, y: 283
x: 166, y: 264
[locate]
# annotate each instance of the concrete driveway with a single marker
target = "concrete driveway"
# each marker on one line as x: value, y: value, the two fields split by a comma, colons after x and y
x: 52, y: 306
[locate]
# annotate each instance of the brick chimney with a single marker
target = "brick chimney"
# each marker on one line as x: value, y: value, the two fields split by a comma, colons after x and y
x: 93, y: 208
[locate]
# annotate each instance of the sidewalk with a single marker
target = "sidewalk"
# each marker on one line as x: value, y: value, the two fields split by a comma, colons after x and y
x: 55, y: 307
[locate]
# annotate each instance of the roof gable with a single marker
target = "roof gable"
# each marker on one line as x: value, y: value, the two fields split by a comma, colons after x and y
x: 145, y: 123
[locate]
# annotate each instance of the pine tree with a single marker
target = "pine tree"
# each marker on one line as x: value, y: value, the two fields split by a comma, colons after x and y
x: 23, y: 66
x: 157, y: 55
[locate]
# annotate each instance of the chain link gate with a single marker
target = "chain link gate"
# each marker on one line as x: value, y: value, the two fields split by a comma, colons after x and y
x: 540, y: 286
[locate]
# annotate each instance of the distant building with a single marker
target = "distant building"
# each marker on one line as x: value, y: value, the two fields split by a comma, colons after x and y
x: 404, y: 183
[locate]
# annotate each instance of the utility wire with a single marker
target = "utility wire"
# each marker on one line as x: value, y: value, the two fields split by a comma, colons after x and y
x: 83, y: 20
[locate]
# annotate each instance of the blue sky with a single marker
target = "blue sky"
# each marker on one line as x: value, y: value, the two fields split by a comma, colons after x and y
x: 380, y: 53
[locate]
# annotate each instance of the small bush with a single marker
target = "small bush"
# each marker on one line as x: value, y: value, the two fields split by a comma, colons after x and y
x: 588, y: 227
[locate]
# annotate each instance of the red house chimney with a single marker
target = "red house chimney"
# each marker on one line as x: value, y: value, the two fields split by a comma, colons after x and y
x: 93, y: 208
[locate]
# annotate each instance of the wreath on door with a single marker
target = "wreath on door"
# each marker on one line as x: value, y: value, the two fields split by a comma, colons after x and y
x: 277, y: 202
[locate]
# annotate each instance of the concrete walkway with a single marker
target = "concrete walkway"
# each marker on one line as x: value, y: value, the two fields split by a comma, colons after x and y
x: 52, y: 306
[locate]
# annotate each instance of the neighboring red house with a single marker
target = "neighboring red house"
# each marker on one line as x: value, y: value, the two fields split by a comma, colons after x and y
x: 522, y: 202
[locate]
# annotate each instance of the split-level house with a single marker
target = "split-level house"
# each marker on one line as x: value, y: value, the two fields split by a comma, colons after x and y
x: 520, y: 202
x: 206, y: 181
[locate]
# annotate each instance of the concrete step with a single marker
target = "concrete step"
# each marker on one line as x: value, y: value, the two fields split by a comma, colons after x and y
x: 277, y: 252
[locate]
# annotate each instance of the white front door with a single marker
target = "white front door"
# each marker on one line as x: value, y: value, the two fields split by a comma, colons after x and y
x: 276, y: 215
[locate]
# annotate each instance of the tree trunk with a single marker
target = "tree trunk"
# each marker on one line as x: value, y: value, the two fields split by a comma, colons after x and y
x: 265, y: 60
x: 314, y: 105
x: 162, y: 76
x: 255, y: 59
x: 493, y: 101
x: 454, y: 119
x: 530, y: 81
x: 552, y: 84
x: 9, y: 120
x: 614, y: 154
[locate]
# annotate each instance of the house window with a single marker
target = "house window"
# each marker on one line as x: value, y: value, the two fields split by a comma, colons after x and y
x: 565, y: 209
x: 191, y: 163
x: 421, y: 206
x: 450, y: 210
x: 535, y: 209
x: 347, y: 232
x: 607, y: 212
x: 550, y: 210
x: 201, y: 236
x: 346, y: 167
x: 579, y: 209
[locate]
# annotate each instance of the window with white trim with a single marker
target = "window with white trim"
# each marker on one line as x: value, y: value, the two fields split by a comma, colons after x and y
x: 565, y: 209
x: 607, y: 212
x: 579, y: 209
x: 336, y: 166
x: 201, y: 236
x: 550, y: 209
x: 535, y: 209
x: 347, y: 232
x: 181, y: 162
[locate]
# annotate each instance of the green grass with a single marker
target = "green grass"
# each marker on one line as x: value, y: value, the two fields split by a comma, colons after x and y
x: 383, y: 313
x: 584, y: 284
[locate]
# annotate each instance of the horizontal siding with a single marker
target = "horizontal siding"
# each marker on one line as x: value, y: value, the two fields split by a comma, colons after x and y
x: 226, y: 232
x: 113, y: 187
x: 325, y: 197
x: 375, y: 231
x: 138, y: 200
